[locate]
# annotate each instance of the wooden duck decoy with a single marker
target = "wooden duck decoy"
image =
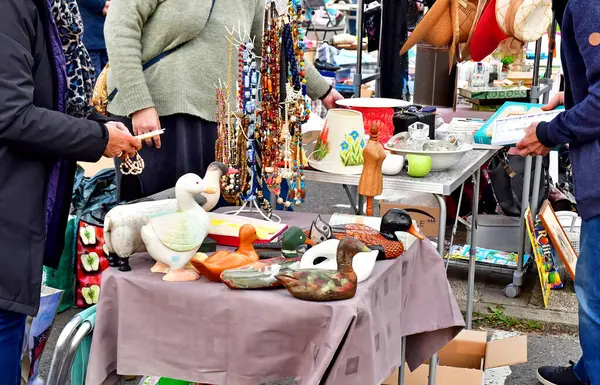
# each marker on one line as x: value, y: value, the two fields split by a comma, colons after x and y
x: 323, y: 256
x: 291, y: 242
x: 384, y: 240
x: 222, y: 260
x: 259, y: 275
x: 327, y: 285
x: 320, y: 231
x: 173, y: 239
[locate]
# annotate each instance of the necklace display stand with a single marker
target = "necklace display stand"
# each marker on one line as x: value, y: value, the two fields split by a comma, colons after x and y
x: 260, y: 136
x: 251, y: 207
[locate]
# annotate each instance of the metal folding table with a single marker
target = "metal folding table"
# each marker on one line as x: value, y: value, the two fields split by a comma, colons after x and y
x: 440, y: 184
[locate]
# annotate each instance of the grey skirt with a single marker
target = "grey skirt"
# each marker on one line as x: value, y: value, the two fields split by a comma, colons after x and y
x: 187, y: 146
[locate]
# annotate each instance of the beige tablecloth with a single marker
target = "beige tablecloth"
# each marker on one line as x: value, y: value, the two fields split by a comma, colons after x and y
x: 203, y: 331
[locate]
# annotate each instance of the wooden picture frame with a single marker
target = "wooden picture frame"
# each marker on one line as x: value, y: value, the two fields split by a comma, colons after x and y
x: 559, y: 238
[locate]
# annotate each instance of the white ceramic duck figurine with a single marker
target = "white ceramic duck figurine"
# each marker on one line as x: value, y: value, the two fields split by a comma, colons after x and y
x: 323, y: 256
x: 173, y: 239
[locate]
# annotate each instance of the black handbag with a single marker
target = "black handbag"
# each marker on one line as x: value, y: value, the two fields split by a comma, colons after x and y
x: 507, y: 174
x: 406, y: 116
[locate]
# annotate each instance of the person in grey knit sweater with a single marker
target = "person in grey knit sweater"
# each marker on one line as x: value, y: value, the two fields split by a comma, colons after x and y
x: 178, y: 92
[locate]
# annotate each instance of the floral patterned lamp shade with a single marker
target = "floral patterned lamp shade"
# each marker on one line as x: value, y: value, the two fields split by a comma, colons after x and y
x: 339, y: 149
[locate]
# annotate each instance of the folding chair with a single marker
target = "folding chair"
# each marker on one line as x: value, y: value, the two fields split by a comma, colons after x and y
x: 330, y: 27
x: 73, y: 349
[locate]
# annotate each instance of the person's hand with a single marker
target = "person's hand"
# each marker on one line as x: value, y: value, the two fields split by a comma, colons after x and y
x: 106, y: 6
x: 557, y: 100
x: 145, y: 121
x: 329, y: 100
x: 120, y: 142
x: 530, y: 145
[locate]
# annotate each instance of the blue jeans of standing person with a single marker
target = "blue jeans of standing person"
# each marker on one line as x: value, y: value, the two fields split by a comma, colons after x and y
x: 12, y: 332
x: 99, y: 60
x: 588, y: 295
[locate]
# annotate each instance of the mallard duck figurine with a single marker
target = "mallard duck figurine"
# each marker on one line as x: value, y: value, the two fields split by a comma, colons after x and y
x: 173, y: 239
x: 323, y: 256
x: 385, y: 240
x: 327, y: 285
x: 222, y: 260
x: 294, y: 241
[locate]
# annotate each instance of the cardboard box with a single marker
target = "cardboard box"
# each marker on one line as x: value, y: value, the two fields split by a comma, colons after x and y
x: 464, y: 360
x: 427, y: 217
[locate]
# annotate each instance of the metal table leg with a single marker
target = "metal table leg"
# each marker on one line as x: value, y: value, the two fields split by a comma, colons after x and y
x: 441, y: 237
x: 351, y: 197
x: 514, y: 289
x: 361, y: 204
x: 473, y: 251
x: 403, y: 360
x: 537, y: 178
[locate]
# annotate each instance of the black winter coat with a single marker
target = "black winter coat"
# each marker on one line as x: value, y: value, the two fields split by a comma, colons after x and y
x: 33, y: 138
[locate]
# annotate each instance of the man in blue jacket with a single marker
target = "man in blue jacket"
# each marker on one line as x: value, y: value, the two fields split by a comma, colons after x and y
x: 93, y: 13
x: 579, y: 126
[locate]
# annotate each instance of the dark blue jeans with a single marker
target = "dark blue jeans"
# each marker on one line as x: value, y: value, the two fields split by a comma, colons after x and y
x: 588, y: 294
x: 12, y: 332
x: 99, y: 59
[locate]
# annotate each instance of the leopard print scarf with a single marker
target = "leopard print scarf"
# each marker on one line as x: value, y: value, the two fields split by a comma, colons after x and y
x: 79, y: 69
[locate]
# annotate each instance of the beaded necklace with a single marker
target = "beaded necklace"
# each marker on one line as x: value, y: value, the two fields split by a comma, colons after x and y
x: 270, y: 132
x: 247, y: 98
x: 231, y: 144
x: 281, y: 125
x: 297, y: 107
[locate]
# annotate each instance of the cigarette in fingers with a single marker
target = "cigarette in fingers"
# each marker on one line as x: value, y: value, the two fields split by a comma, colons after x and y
x: 150, y: 134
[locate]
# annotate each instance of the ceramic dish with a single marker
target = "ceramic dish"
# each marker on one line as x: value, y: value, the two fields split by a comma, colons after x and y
x: 372, y: 103
x: 440, y: 160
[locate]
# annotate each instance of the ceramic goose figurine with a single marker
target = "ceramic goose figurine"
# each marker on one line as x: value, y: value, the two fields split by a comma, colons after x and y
x: 384, y: 240
x: 211, y: 179
x: 173, y: 239
x: 323, y: 256
x: 123, y: 224
x: 222, y: 260
x: 327, y: 285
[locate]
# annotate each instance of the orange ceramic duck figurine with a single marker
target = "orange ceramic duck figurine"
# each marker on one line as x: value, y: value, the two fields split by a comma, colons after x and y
x: 385, y: 241
x: 326, y: 285
x: 222, y: 260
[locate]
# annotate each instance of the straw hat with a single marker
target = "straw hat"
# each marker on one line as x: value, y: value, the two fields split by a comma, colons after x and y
x: 526, y: 20
x: 466, y: 49
x: 523, y: 20
x: 448, y: 23
x: 434, y: 29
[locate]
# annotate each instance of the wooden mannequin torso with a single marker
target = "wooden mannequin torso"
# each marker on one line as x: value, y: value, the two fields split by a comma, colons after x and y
x: 371, y: 179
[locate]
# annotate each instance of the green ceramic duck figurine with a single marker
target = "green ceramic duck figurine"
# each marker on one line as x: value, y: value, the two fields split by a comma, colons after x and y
x: 327, y: 285
x: 291, y: 241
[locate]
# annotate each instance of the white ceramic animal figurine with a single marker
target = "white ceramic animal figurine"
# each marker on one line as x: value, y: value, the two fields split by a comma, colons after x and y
x: 323, y: 256
x: 173, y: 239
x: 123, y: 224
